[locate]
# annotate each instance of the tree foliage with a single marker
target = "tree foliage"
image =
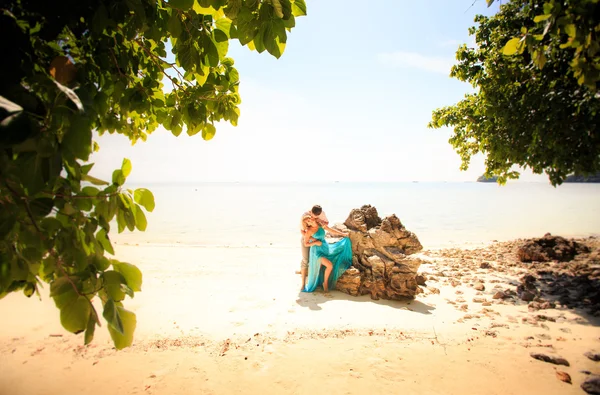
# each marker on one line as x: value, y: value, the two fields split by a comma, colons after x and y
x: 529, y: 107
x: 559, y: 25
x: 77, y: 66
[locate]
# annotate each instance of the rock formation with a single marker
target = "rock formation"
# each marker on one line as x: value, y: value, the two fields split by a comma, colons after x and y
x: 550, y: 248
x: 381, y: 264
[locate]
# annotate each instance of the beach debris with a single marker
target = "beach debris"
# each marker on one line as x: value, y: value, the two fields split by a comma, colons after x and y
x: 225, y: 347
x: 563, y: 376
x: 591, y: 385
x: 433, y: 290
x: 593, y: 355
x: 36, y: 352
x: 550, y: 359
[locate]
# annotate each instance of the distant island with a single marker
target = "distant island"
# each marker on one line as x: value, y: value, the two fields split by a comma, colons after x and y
x: 483, y: 178
x: 590, y: 178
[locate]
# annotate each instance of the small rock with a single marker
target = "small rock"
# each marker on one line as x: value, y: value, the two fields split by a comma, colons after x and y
x: 591, y: 385
x: 479, y: 287
x: 563, y: 376
x: 499, y: 295
x: 594, y: 356
x: 433, y: 290
x: 550, y: 359
x: 484, y: 265
x: 526, y: 296
x: 420, y: 279
x: 486, y: 304
x: 544, y: 336
x: 479, y: 300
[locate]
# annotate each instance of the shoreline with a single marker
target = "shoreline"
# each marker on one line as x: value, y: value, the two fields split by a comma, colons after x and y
x: 231, y: 320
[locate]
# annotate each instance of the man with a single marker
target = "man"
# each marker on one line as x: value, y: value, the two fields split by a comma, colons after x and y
x: 319, y: 215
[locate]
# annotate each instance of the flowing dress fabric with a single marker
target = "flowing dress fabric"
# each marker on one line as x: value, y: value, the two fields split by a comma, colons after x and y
x: 340, y: 255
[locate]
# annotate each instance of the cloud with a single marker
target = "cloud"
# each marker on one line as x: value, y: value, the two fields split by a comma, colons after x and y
x: 414, y: 60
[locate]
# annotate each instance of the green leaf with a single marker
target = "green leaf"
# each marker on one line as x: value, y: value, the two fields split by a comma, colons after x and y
x: 174, y: 25
x: 121, y: 221
x: 233, y: 8
x: 132, y: 275
x: 93, y: 180
x: 126, y: 167
x: 224, y: 24
x: 75, y: 313
x: 78, y: 139
x: 111, y: 281
x: 112, y: 315
x: 145, y: 198
x: 89, y: 331
x: 128, y: 322
x: 183, y: 5
x: 90, y: 191
x: 299, y: 8
x: 41, y: 207
x: 140, y: 218
x: 541, y: 18
x: 277, y: 8
x: 104, y: 241
x: 118, y: 178
x: 512, y: 46
x: 571, y: 30
x: 208, y: 131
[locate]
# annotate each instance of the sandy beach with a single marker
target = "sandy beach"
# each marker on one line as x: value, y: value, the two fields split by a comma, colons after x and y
x: 231, y: 320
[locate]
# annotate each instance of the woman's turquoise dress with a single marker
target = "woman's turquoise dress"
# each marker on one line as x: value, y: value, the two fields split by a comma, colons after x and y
x: 340, y: 255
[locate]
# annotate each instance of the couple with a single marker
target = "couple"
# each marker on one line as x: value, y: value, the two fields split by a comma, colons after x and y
x: 322, y: 263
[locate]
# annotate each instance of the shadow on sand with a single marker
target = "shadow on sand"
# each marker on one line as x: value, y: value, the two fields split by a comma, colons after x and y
x: 313, y: 300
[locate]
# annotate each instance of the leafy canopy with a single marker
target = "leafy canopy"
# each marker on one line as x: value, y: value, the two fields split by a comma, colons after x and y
x: 532, y: 108
x: 556, y: 25
x: 77, y: 66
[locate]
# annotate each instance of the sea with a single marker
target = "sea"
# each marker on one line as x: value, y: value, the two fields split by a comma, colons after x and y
x: 441, y: 214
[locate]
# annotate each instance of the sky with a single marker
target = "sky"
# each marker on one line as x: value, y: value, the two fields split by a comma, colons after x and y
x: 349, y: 100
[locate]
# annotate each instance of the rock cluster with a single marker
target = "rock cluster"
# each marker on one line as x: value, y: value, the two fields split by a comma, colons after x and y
x: 381, y: 265
x: 550, y: 248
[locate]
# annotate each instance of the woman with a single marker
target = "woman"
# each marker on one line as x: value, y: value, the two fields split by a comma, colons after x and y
x: 327, y: 262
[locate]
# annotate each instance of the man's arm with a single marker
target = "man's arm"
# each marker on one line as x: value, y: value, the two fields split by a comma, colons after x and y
x: 335, y: 231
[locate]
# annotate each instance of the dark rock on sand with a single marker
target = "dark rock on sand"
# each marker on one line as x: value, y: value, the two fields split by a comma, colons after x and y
x: 594, y: 356
x: 550, y: 248
x: 550, y: 358
x: 591, y: 385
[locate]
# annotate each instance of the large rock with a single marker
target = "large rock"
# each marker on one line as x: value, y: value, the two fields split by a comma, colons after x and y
x: 381, y: 265
x: 550, y: 248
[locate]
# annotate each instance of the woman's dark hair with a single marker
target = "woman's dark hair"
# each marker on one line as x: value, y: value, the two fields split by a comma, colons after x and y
x: 317, y: 210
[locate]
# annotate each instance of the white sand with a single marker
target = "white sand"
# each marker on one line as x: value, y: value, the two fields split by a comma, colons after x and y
x: 231, y: 320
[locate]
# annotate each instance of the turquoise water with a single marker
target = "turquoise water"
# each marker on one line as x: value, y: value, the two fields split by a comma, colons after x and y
x: 441, y: 214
